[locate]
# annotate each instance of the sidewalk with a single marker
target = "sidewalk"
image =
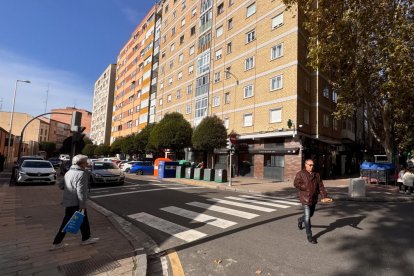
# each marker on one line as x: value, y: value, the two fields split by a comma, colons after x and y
x: 337, y: 188
x: 30, y: 217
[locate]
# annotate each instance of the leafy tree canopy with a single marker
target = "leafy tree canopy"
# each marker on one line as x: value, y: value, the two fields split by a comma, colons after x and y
x: 141, y: 139
x: 48, y: 147
x: 102, y: 150
x: 89, y: 149
x: 209, y: 134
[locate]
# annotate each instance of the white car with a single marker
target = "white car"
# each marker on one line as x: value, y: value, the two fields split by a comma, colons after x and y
x: 64, y: 157
x: 126, y: 167
x: 36, y: 171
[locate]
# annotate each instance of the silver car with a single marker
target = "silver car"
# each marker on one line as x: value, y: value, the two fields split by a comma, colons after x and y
x: 36, y: 171
x: 106, y: 173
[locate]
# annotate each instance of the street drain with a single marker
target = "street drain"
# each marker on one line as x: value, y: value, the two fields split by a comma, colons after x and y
x: 92, y: 266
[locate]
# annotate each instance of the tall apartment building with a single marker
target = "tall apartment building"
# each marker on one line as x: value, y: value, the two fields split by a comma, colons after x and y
x: 67, y: 119
x: 103, y: 98
x: 246, y: 63
x: 134, y: 78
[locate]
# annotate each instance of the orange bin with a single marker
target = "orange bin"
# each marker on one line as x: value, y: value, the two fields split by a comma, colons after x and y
x: 156, y: 164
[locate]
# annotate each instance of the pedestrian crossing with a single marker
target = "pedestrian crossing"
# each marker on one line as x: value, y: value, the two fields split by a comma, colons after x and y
x: 218, y: 213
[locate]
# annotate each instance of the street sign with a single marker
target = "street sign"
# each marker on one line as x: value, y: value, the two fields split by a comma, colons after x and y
x: 233, y: 139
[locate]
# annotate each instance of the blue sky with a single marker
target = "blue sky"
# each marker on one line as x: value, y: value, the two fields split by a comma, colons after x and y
x: 63, y: 44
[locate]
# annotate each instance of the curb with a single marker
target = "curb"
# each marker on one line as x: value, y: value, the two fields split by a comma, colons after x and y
x: 138, y: 239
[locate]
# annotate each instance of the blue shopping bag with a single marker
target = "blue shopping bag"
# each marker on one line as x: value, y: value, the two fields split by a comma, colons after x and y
x: 74, y: 223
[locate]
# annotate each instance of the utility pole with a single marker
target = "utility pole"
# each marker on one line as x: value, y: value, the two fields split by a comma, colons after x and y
x: 47, y: 97
x: 1, y: 104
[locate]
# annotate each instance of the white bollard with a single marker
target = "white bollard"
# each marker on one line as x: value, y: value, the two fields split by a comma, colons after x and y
x: 357, y: 187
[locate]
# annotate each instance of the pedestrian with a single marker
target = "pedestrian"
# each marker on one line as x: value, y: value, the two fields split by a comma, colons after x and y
x: 75, y: 193
x: 2, y: 159
x: 309, y: 184
x: 408, y: 180
x: 400, y: 181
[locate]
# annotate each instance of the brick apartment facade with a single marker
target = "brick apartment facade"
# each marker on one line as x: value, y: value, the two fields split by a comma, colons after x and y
x: 67, y: 119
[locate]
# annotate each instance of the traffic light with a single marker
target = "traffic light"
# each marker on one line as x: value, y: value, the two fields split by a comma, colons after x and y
x: 229, y: 144
x: 79, y: 135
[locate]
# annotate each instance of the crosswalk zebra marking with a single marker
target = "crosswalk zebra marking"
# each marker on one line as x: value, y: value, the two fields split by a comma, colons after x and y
x: 218, y: 222
x: 258, y: 202
x: 168, y: 227
x: 274, y: 197
x: 243, y: 205
x: 224, y: 210
x: 271, y: 200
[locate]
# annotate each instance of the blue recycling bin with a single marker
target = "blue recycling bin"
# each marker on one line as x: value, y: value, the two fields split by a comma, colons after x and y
x: 167, y: 169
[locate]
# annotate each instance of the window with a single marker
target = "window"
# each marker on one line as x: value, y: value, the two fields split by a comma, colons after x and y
x: 276, y: 82
x: 172, y: 31
x: 220, y: 8
x: 183, y: 5
x: 226, y: 123
x: 326, y: 92
x: 170, y: 80
x: 164, y: 38
x: 248, y: 91
x: 229, y: 47
x: 306, y: 116
x: 325, y: 120
x: 190, y: 69
x: 161, y: 85
x: 230, y: 23
x: 275, y: 115
x: 172, y: 47
x: 180, y: 58
x: 276, y: 51
x: 191, y: 51
x: 227, y: 98
x: 193, y: 12
x: 277, y: 21
x: 251, y: 10
x: 171, y: 64
x: 250, y: 36
x: 217, y: 77
x: 335, y: 124
x: 193, y: 30
x: 169, y: 98
x: 182, y: 22
x: 248, y: 120
x: 219, y: 54
x: 182, y: 39
x: 129, y: 124
x: 166, y: 9
x: 334, y: 96
x: 203, y: 63
x: 189, y: 89
x: 163, y: 54
x: 216, y: 101
x: 201, y: 108
x: 174, y: 14
x: 180, y: 75
x: 219, y: 31
x: 231, y: 2
x: 188, y: 109
x: 178, y: 95
x: 248, y: 63
x: 160, y: 102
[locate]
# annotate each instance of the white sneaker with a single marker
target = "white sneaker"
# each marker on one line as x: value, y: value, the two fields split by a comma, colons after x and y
x: 90, y: 241
x: 57, y: 246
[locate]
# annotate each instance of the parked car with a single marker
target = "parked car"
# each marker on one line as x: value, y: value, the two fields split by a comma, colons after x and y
x: 19, y: 162
x: 121, y: 163
x: 36, y: 171
x: 65, y: 166
x: 126, y: 167
x: 106, y: 172
x: 56, y: 162
x: 142, y: 167
x: 64, y: 157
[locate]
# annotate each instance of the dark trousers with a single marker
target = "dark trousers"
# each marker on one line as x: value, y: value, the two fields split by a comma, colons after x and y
x: 308, y: 211
x: 69, y: 211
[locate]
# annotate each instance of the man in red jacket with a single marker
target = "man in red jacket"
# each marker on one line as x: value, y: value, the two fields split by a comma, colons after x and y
x: 309, y: 184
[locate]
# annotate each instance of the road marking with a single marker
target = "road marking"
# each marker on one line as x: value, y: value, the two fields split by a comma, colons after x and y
x: 168, y: 227
x: 223, y: 210
x: 218, y: 222
x: 274, y: 197
x: 271, y: 200
x: 258, y: 202
x: 176, y: 267
x: 243, y: 205
x: 135, y: 185
x: 144, y: 191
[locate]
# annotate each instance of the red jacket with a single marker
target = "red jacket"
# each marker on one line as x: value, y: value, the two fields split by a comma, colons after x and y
x: 309, y: 186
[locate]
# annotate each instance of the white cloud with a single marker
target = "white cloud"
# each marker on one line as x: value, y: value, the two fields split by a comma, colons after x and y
x: 65, y: 88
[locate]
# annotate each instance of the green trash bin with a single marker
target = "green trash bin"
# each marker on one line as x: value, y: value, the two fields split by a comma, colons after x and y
x: 189, y: 173
x: 220, y: 176
x: 198, y: 174
x: 180, y: 172
x: 208, y: 175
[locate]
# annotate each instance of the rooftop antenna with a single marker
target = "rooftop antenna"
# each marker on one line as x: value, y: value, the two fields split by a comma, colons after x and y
x: 74, y: 103
x: 47, y: 97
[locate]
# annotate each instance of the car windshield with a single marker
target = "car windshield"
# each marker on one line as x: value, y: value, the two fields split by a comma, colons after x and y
x: 35, y: 164
x: 104, y: 166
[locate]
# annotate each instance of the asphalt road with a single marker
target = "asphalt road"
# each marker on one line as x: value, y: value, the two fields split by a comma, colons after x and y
x: 215, y: 233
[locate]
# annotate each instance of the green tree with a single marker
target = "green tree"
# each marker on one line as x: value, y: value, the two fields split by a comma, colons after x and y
x: 116, y: 146
x: 102, y: 150
x: 127, y: 145
x: 366, y: 50
x: 48, y: 147
x: 87, y: 140
x: 210, y: 134
x: 89, y: 149
x: 172, y: 132
x: 141, y: 139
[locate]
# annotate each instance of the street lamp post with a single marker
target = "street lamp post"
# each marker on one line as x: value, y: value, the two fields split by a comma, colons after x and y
x: 11, y: 120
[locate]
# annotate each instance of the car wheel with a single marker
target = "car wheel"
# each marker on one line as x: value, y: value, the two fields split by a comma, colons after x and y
x: 140, y: 172
x: 127, y: 170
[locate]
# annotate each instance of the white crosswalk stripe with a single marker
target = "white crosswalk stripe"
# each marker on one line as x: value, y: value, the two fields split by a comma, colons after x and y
x: 243, y: 205
x: 168, y: 227
x: 275, y: 197
x: 218, y: 222
x: 258, y: 202
x: 271, y: 200
x: 224, y: 210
